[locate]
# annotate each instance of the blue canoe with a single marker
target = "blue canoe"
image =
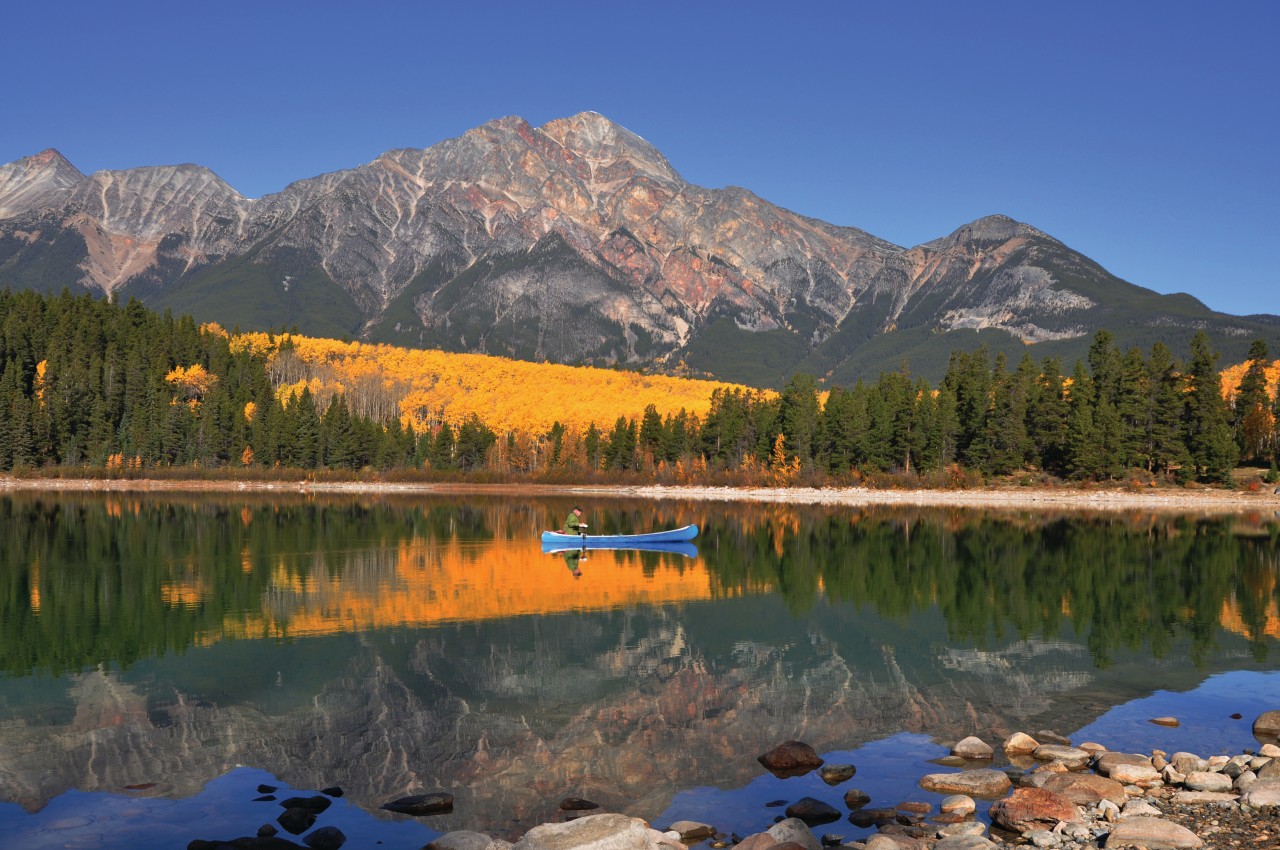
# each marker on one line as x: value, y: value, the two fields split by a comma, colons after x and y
x: 686, y: 549
x: 620, y: 541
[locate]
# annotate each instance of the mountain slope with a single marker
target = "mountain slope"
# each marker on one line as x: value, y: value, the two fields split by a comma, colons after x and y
x: 576, y: 241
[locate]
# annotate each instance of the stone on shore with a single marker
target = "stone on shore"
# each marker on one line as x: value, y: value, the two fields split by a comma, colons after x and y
x: 1139, y: 808
x: 797, y: 831
x: 1107, y: 762
x: 1270, y: 751
x: 598, y: 832
x: 1153, y: 834
x: 972, y: 748
x: 965, y: 842
x: 791, y: 757
x: 975, y: 783
x: 880, y: 841
x: 1200, y: 798
x: 1028, y: 809
x: 1263, y: 794
x: 1186, y: 763
x: 1144, y: 776
x: 1267, y: 725
x: 1204, y: 781
x: 461, y: 839
x: 970, y: 827
x: 439, y: 803
x: 834, y: 774
x: 1085, y: 789
x: 1020, y: 744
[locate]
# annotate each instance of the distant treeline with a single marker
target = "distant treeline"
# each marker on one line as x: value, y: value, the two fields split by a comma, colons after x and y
x: 90, y: 383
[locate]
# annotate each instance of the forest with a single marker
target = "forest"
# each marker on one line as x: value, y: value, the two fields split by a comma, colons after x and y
x: 94, y: 387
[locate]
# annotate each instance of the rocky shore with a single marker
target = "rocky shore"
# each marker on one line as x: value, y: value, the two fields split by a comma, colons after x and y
x: 1052, y: 794
x: 1202, y: 501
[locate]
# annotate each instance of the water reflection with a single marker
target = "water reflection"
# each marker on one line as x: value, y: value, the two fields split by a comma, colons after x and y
x: 399, y: 645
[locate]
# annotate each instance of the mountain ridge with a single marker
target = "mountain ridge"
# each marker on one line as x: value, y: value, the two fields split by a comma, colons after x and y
x: 576, y: 241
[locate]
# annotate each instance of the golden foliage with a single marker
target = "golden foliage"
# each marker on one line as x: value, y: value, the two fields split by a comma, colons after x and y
x: 193, y: 382
x: 426, y: 388
x: 1232, y: 374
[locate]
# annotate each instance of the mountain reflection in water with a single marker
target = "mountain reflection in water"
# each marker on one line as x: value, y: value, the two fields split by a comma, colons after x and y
x: 396, y: 645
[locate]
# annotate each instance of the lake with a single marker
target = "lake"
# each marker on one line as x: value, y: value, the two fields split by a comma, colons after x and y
x: 161, y: 657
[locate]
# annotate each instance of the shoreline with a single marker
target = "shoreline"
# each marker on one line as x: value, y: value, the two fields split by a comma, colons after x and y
x: 1202, y: 502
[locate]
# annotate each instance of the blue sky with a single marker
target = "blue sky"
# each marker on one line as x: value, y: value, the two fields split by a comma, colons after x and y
x: 1144, y: 134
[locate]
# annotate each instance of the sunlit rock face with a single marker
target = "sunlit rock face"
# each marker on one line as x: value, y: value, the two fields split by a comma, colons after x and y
x: 574, y: 241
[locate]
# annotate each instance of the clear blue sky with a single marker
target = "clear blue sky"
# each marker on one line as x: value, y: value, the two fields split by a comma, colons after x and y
x: 1144, y: 134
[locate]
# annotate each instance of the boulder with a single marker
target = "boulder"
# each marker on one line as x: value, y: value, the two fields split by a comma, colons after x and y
x: 972, y: 748
x: 1201, y: 798
x: 965, y: 842
x: 1070, y: 756
x: 961, y: 804
x: 1267, y: 725
x: 1107, y: 761
x: 1186, y: 763
x: 1032, y: 808
x: 881, y: 842
x: 577, y: 804
x: 1020, y: 744
x: 420, y: 805
x: 812, y: 811
x: 1270, y: 751
x: 1153, y: 834
x: 1263, y: 794
x: 794, y: 830
x: 791, y: 758
x: 1136, y: 774
x: 834, y: 774
x: 325, y: 838
x: 759, y: 841
x: 599, y: 832
x: 692, y: 830
x: 856, y: 798
x: 1270, y: 770
x: 1085, y: 789
x: 461, y: 840
x: 1204, y: 781
x: 975, y: 783
x: 297, y: 820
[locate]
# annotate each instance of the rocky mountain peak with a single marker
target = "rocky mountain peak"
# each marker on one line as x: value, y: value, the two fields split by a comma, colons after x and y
x: 991, y: 228
x: 596, y: 138
x: 35, y: 181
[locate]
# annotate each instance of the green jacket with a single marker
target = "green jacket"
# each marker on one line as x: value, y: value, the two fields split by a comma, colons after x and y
x: 572, y: 523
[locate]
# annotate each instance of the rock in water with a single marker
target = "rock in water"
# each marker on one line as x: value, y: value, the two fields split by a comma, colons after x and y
x: 856, y: 798
x: 791, y: 757
x: 975, y: 783
x: 1267, y: 725
x: 972, y: 748
x: 315, y: 804
x: 577, y: 804
x: 812, y: 811
x: 691, y: 830
x: 438, y: 803
x: 325, y: 838
x: 1020, y: 744
x: 1166, y: 721
x: 834, y: 774
x: 297, y: 820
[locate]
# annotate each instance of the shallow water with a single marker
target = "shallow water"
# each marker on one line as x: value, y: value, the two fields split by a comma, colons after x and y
x: 203, y: 645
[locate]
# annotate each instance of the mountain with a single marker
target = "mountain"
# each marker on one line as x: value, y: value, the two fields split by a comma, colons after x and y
x: 573, y: 242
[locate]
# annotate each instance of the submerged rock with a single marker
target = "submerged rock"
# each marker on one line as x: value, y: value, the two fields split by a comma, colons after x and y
x: 422, y: 804
x: 834, y: 774
x: 812, y: 811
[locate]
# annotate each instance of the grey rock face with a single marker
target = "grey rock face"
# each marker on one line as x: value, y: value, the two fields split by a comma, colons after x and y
x: 572, y: 241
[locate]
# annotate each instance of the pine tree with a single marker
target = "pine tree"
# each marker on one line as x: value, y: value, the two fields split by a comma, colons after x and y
x: 1083, y: 460
x: 1048, y: 415
x: 1207, y: 419
x: 798, y: 414
x: 1166, y: 448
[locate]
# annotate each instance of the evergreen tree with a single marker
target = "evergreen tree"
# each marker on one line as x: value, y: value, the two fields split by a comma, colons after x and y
x: 1165, y: 448
x: 442, y: 447
x: 1083, y: 459
x: 474, y: 441
x: 798, y: 414
x: 1048, y: 417
x: 1207, y: 419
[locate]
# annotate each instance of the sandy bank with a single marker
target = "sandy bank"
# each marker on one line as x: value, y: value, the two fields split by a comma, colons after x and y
x: 1216, y: 502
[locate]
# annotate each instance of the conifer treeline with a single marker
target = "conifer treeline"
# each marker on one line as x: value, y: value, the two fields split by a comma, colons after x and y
x: 88, y: 382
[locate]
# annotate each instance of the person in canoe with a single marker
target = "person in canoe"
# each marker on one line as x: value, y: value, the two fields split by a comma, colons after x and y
x: 573, y: 523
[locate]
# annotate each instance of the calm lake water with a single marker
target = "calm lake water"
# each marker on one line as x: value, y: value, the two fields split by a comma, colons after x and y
x: 162, y: 657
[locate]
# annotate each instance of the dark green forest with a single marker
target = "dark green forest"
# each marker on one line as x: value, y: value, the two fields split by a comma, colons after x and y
x: 91, y: 384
